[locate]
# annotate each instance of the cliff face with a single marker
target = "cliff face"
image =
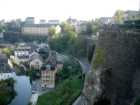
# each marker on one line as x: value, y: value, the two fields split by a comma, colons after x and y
x: 115, y: 79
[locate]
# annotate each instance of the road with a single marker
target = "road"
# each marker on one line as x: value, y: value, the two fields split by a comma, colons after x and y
x: 85, y: 67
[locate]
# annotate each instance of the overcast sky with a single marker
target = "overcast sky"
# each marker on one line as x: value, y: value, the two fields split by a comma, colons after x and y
x: 62, y: 9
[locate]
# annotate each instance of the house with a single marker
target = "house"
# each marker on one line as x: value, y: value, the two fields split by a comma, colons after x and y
x: 54, y: 22
x: 59, y: 66
x: 48, y: 72
x: 77, y: 24
x: 5, y: 72
x: 52, y: 58
x: 42, y: 21
x: 35, y: 61
x: 22, y: 52
x: 106, y: 20
x: 48, y: 76
x: 131, y: 15
x: 29, y: 20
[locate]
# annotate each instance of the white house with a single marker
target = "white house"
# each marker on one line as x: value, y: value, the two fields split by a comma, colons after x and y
x: 21, y: 53
x: 7, y: 75
x: 5, y: 72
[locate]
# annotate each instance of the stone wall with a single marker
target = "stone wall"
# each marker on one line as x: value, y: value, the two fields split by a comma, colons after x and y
x: 116, y: 69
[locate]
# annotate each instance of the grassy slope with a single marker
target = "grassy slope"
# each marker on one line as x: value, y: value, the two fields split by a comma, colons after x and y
x: 64, y: 94
x: 68, y: 89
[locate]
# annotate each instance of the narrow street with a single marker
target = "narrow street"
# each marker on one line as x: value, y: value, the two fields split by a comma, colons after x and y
x: 85, y: 67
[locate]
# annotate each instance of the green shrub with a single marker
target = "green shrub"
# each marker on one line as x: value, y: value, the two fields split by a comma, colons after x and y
x: 99, y: 58
x: 137, y: 101
x: 7, y: 92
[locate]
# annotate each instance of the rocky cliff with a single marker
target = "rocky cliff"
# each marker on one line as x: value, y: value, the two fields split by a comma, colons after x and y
x: 115, y: 78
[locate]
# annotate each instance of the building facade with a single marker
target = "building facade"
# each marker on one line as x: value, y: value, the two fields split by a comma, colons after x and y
x: 131, y: 15
x: 22, y: 53
x: 35, y: 29
x: 30, y: 20
x: 48, y: 77
x: 7, y: 75
x: 39, y: 29
x: 53, y: 22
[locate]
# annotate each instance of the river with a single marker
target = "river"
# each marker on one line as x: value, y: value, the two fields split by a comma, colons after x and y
x: 23, y: 89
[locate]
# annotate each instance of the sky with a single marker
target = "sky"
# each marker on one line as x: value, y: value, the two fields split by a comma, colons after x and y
x: 63, y: 9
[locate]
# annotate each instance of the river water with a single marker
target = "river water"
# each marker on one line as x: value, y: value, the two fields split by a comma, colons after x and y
x: 23, y: 89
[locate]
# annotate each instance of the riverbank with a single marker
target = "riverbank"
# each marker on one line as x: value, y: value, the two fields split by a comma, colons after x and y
x: 23, y: 90
x: 7, y: 91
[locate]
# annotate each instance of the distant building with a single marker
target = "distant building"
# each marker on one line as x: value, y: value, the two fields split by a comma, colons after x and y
x: 106, y: 20
x: 54, y: 22
x: 36, y: 29
x: 77, y: 24
x: 131, y: 15
x: 29, y: 20
x: 42, y: 21
x: 39, y: 29
x: 2, y: 22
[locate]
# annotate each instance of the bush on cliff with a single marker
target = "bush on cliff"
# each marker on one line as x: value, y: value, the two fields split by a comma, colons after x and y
x: 99, y: 58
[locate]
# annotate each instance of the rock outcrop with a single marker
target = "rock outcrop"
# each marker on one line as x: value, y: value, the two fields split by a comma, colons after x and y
x: 115, y: 78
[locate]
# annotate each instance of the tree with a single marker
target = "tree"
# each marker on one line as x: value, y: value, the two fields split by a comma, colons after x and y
x: 89, y: 28
x: 51, y: 31
x: 2, y: 28
x: 66, y: 27
x: 119, y: 16
x: 7, y: 91
x: 8, y: 51
x: 44, y: 52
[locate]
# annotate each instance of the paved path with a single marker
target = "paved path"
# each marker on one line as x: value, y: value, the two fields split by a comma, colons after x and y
x: 85, y: 67
x: 79, y: 101
x: 34, y: 98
